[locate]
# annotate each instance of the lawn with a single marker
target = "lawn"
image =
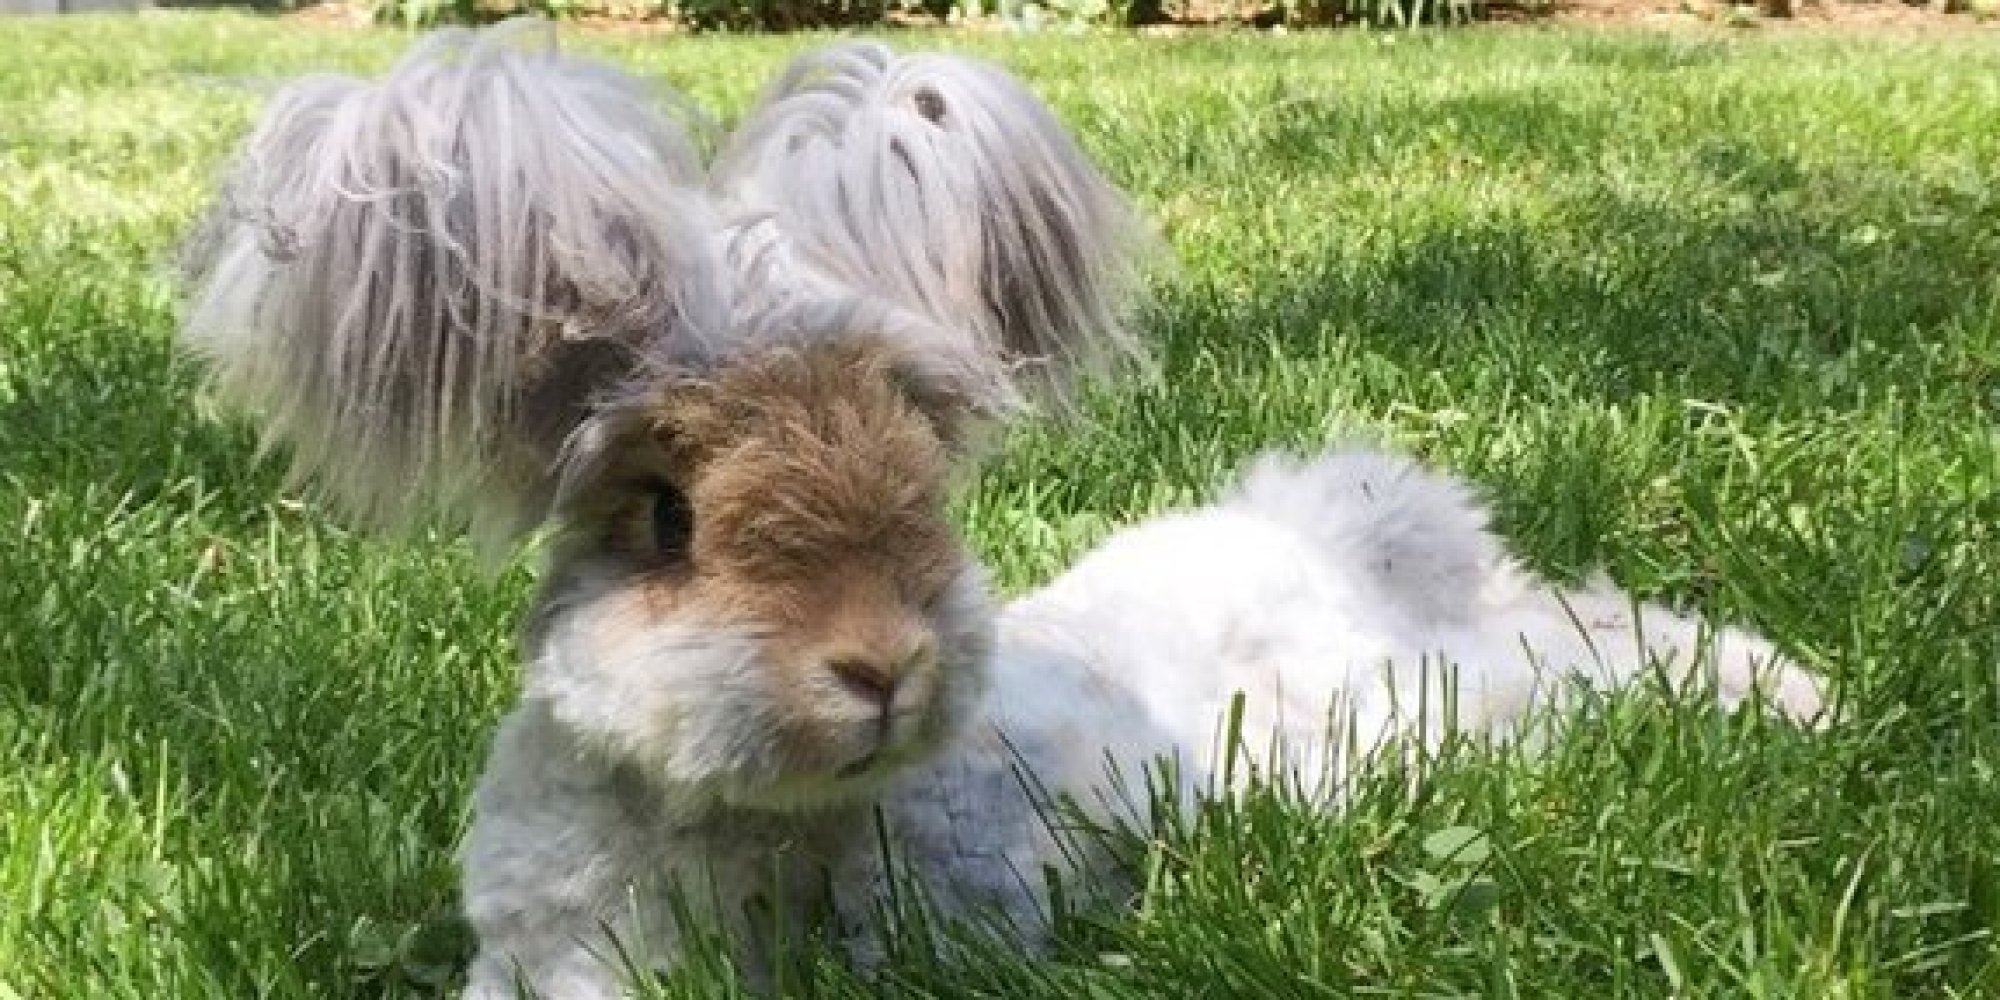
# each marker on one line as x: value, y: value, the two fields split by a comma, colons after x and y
x: 1720, y: 314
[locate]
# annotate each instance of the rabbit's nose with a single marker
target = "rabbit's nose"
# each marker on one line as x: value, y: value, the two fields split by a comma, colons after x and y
x: 867, y: 677
x: 877, y: 678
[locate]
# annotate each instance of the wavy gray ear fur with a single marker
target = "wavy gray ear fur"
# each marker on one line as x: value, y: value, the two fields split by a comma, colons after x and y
x: 940, y: 186
x: 419, y: 282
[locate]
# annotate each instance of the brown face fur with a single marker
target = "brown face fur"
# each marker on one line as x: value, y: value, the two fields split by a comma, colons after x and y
x: 818, y: 491
x: 815, y: 491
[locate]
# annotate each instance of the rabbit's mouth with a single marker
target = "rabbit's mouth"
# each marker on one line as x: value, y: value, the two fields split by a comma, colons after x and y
x: 898, y: 738
x: 879, y: 747
x: 857, y: 774
x: 860, y: 765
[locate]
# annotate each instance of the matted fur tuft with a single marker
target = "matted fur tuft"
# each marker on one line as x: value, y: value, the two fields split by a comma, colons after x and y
x: 420, y: 282
x: 939, y: 187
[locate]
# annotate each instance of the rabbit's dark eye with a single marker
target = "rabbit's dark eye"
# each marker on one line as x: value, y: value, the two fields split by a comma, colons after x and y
x: 673, y: 522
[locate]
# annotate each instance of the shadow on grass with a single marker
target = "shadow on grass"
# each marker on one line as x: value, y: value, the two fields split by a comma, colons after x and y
x: 123, y: 422
x: 1768, y: 292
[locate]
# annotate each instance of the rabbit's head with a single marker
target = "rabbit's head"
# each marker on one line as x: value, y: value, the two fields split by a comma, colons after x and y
x: 498, y: 288
x: 757, y: 596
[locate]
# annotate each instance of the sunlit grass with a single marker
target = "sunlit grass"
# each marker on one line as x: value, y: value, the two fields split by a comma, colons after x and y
x: 1721, y: 315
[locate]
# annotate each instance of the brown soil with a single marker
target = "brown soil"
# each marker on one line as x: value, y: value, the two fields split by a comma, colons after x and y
x: 1866, y: 17
x: 1863, y: 17
x: 1878, y: 16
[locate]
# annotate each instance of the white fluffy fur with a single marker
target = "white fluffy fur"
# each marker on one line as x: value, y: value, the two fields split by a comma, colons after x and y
x: 1329, y: 594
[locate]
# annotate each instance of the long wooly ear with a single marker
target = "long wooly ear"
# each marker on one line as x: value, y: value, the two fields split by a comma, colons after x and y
x: 419, y: 282
x: 942, y: 186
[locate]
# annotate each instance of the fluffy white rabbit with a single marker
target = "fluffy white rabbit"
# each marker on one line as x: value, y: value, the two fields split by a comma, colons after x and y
x: 497, y: 287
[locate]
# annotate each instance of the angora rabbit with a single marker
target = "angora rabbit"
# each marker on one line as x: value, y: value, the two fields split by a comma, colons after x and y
x: 498, y: 287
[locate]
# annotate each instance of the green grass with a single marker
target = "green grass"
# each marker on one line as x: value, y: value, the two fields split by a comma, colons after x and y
x: 1722, y: 315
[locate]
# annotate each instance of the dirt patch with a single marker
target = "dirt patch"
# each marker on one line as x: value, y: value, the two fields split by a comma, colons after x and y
x: 1201, y: 16
x: 1800, y: 15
